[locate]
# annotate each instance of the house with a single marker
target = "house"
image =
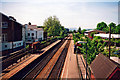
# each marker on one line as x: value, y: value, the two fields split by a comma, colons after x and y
x: 106, y: 36
x: 11, y: 36
x: 88, y: 33
x: 24, y: 34
x: 33, y: 34
x: 113, y: 36
x: 44, y: 33
x: 104, y: 68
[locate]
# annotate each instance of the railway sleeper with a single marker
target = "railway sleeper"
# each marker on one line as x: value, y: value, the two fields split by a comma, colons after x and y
x: 25, y: 70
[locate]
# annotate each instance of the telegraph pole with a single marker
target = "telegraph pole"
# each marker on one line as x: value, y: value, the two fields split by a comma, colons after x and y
x: 109, y: 40
x: 86, y: 62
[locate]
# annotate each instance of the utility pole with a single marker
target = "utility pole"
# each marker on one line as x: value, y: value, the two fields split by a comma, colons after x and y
x: 86, y: 62
x: 109, y: 40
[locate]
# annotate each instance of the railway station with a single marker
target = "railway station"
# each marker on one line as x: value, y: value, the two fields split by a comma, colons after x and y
x: 33, y: 48
x: 59, y: 60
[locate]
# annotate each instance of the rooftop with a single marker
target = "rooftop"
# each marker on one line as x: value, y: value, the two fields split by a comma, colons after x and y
x: 94, y: 31
x: 107, y: 35
x: 102, y: 66
x: 33, y: 27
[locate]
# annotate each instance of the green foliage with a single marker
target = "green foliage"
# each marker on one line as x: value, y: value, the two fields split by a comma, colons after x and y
x: 27, y: 46
x: 74, y: 31
x: 114, y: 29
x: 79, y: 30
x: 102, y: 26
x: 83, y: 31
x: 94, y: 46
x: 43, y: 42
x: 117, y: 30
x: 53, y: 27
x: 92, y: 34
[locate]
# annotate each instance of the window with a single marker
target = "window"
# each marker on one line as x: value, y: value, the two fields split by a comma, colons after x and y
x: 4, y: 24
x: 28, y: 34
x: 32, y: 34
x: 4, y: 37
x: 19, y: 44
x: 5, y: 46
x: 0, y: 38
x: 14, y: 45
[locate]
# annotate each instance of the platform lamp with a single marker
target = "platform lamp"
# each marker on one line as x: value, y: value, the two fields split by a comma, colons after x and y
x: 86, y: 56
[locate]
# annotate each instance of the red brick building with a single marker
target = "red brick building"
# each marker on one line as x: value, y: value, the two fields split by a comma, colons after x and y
x: 11, y: 37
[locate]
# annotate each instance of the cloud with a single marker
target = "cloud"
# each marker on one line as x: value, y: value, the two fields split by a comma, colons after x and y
x: 59, y: 1
x: 70, y: 14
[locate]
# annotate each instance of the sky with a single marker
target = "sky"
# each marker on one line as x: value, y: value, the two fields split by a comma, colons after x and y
x: 71, y: 13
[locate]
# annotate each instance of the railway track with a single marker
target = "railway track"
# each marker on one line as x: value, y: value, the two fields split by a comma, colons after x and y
x: 54, y: 66
x: 54, y: 58
x: 29, y: 71
x: 13, y: 54
x: 13, y: 58
x: 56, y: 70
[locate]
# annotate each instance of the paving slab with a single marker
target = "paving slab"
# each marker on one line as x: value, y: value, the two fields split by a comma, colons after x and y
x: 70, y: 69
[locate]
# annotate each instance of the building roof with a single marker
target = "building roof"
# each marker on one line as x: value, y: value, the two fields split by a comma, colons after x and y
x: 94, y: 31
x: 40, y: 29
x: 9, y: 17
x: 102, y: 66
x: 107, y: 35
x: 32, y: 27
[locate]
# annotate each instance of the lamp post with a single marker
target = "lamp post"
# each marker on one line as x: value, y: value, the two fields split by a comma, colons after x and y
x: 86, y: 56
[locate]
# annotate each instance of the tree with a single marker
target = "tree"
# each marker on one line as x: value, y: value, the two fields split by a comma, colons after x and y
x: 92, y: 34
x: 83, y: 31
x: 94, y: 46
x: 74, y: 31
x: 29, y: 23
x: 102, y: 26
x: 53, y: 27
x: 117, y: 30
x: 79, y: 30
x: 113, y: 27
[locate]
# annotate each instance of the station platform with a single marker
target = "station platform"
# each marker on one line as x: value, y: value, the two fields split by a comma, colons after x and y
x: 70, y: 68
x: 26, y: 61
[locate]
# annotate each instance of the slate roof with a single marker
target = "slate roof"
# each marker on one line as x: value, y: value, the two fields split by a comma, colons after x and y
x: 102, y: 66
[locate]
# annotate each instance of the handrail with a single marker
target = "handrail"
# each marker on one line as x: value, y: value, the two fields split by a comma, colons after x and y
x: 80, y: 72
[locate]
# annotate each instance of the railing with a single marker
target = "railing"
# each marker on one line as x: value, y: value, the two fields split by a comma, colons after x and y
x: 80, y: 72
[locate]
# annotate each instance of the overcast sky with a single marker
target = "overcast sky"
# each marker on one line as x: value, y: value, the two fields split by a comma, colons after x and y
x: 71, y: 13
